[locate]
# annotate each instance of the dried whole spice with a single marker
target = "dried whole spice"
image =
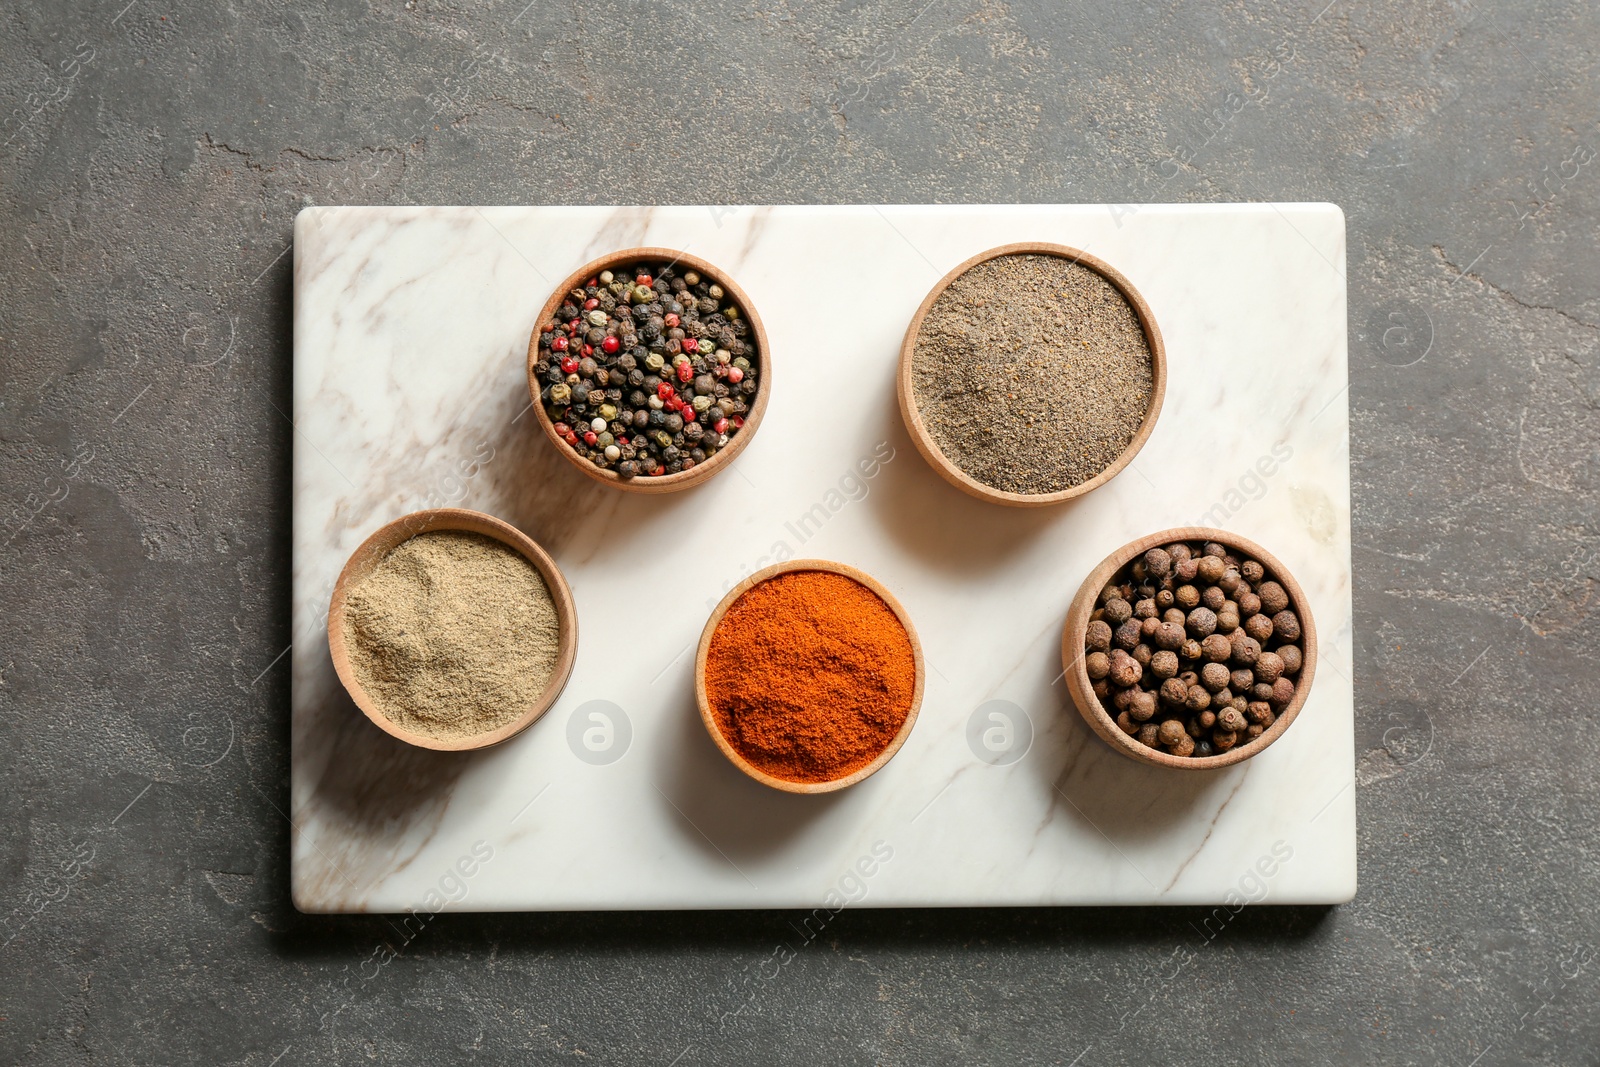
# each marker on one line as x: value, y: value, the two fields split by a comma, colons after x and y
x: 1207, y: 682
x: 647, y: 370
x: 810, y: 675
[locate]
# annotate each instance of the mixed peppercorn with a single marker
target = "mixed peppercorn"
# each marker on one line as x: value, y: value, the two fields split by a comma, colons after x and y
x: 647, y: 371
x: 1194, y: 650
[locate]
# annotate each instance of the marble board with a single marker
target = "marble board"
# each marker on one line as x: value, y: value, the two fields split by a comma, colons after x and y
x: 411, y: 326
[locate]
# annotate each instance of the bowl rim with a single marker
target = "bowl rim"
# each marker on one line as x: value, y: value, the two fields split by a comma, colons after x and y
x: 1077, y: 675
x: 665, y: 483
x: 390, y: 536
x: 923, y: 440
x: 702, y: 698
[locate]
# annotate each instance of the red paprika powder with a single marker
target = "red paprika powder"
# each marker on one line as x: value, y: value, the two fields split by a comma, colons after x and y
x: 810, y: 676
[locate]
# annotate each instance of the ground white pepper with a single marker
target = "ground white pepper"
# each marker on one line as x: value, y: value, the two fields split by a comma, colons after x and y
x: 1031, y: 373
x: 452, y: 634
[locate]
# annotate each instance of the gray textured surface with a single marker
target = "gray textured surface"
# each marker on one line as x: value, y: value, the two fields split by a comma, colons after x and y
x: 154, y: 160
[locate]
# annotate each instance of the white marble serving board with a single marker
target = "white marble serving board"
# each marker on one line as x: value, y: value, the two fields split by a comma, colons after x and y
x: 411, y: 326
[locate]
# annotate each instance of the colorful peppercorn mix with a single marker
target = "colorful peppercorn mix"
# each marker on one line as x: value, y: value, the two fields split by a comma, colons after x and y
x: 647, y: 371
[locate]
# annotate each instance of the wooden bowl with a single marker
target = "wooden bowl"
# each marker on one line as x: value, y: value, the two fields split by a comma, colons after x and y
x: 389, y: 537
x: 1077, y: 624
x: 666, y: 483
x: 710, y: 719
x: 965, y: 482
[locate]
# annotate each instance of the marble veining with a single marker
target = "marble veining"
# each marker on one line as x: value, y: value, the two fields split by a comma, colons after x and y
x: 410, y: 329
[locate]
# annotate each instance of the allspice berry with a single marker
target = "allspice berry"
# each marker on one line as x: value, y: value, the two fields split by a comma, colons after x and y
x: 1098, y: 636
x: 1258, y: 627
x: 1245, y: 648
x: 1125, y: 670
x: 1098, y: 664
x: 1216, y: 648
x: 1157, y: 563
x: 1164, y: 664
x: 1269, y: 665
x: 1286, y: 625
x: 1182, y: 636
x: 1282, y: 692
x: 1142, y: 705
x: 1169, y: 636
x: 1127, y: 635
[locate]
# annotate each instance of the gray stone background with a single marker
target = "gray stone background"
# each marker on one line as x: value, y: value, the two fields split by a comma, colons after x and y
x: 154, y: 157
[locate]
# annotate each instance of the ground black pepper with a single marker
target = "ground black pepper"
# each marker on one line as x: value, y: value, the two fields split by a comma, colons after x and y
x: 1032, y: 375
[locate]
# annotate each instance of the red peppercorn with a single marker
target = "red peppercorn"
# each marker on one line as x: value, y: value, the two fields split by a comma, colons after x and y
x: 690, y: 344
x: 590, y: 304
x: 738, y: 422
x: 735, y: 375
x: 590, y: 437
x: 721, y: 425
x: 591, y: 282
x: 572, y: 326
x: 673, y: 404
x: 547, y: 327
x: 645, y: 279
x: 559, y: 344
x: 665, y: 391
x: 572, y: 439
x: 588, y: 350
x: 569, y: 365
x: 610, y: 345
x: 685, y: 372
x: 690, y: 414
x: 562, y: 429
x: 671, y: 320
